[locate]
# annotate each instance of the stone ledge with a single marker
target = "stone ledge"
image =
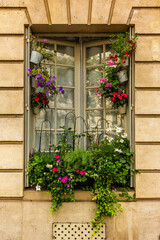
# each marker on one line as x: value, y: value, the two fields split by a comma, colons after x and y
x: 32, y: 195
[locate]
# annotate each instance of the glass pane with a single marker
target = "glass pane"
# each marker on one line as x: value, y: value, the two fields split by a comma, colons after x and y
x: 65, y: 76
x: 108, y: 52
x: 51, y: 101
x: 111, y: 117
x: 94, y: 55
x: 50, y: 53
x: 45, y: 115
x: 66, y: 100
x: 69, y: 140
x: 61, y: 114
x: 93, y: 101
x: 108, y: 104
x: 94, y: 118
x: 65, y: 55
x: 92, y: 76
x: 47, y: 137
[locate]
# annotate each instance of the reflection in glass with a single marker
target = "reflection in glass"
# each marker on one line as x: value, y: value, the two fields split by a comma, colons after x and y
x: 94, y: 55
x: 66, y: 100
x: 109, y: 52
x: 111, y: 117
x: 108, y: 104
x: 93, y: 75
x: 49, y: 68
x: 65, y: 55
x: 65, y: 76
x: 94, y: 118
x: 45, y: 115
x: 61, y: 114
x: 45, y: 140
x: 93, y: 101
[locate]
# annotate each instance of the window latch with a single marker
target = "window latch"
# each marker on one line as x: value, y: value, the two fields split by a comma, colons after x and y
x: 132, y: 107
x: 27, y: 107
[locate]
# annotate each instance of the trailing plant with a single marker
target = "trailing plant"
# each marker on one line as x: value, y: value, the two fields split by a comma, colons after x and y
x: 40, y: 45
x: 108, y: 164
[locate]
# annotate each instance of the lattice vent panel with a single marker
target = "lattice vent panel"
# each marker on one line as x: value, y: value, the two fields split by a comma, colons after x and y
x: 76, y: 231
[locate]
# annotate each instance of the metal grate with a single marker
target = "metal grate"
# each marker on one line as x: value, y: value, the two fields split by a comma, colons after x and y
x: 76, y: 231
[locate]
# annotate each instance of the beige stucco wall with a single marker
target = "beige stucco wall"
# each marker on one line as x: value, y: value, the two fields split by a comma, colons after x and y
x: 28, y: 219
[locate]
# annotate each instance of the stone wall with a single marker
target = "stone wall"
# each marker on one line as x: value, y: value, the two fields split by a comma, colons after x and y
x: 29, y: 218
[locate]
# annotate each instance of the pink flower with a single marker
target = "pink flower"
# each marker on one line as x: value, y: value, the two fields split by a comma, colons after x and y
x: 77, y: 170
x: 102, y: 80
x: 57, y: 157
x: 111, y: 63
x: 55, y: 170
x: 64, y: 179
x: 82, y: 172
x: 44, y: 40
x: 109, y: 84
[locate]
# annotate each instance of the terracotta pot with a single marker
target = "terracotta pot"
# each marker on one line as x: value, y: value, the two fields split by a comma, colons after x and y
x: 36, y: 57
x: 122, y: 109
x: 122, y: 76
x: 36, y: 110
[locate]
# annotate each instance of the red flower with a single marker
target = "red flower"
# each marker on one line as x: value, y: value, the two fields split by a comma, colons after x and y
x: 130, y: 41
x: 124, y: 61
x: 77, y: 170
x: 129, y: 55
x: 37, y: 94
x: 43, y: 102
x: 125, y: 95
x: 120, y: 97
x: 132, y: 50
x: 116, y: 56
x: 47, y: 102
x: 82, y: 172
x: 113, y: 99
x: 133, y: 44
x: 36, y: 99
x: 126, y: 53
x: 111, y: 57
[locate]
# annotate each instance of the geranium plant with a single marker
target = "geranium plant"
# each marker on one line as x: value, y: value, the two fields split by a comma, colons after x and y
x: 107, y: 163
x: 119, y: 99
x: 39, y: 100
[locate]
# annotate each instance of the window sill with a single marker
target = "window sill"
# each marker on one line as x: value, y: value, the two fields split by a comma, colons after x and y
x: 32, y: 195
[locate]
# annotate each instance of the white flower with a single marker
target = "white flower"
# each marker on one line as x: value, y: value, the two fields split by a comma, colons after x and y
x: 118, y: 150
x: 109, y: 129
x: 124, y: 135
x: 109, y: 139
x: 122, y: 141
x: 49, y: 166
x: 38, y: 188
x: 118, y: 130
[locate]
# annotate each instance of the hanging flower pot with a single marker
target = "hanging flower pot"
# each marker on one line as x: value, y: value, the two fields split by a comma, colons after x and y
x: 36, y: 57
x: 122, y: 109
x: 122, y: 76
x: 36, y: 110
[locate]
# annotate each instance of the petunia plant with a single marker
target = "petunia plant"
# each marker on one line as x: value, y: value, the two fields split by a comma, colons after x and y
x: 44, y: 81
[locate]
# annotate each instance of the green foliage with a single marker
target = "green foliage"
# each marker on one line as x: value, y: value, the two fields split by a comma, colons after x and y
x: 78, y: 159
x: 108, y: 164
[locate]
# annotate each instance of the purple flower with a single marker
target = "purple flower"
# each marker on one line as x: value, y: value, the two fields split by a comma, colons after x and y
x: 39, y: 75
x: 54, y: 77
x: 58, y: 160
x: 60, y: 88
x: 59, y: 178
x: 36, y: 68
x: 54, y: 81
x: 48, y: 82
x: 27, y: 74
x: 53, y: 88
x: 47, y: 92
x: 62, y: 91
x: 29, y: 70
x: 68, y: 185
x: 49, y: 77
x: 69, y: 179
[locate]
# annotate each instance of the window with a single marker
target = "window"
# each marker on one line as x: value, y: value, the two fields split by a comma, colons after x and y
x: 78, y: 68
